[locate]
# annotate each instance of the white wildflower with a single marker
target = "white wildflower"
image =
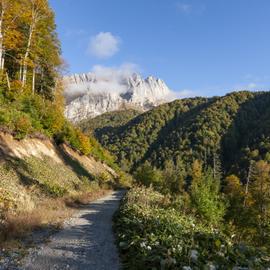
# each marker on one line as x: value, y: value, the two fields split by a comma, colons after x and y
x: 143, y: 245
x: 211, y: 266
x: 187, y: 268
x: 194, y: 255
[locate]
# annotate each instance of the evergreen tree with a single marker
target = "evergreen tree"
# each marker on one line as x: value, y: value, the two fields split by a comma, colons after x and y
x: 173, y: 177
x: 206, y: 198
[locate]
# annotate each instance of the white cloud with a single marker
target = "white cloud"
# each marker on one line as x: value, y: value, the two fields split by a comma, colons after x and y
x: 108, y: 79
x: 252, y: 86
x: 183, y: 7
x: 248, y: 86
x: 115, y: 73
x: 104, y: 45
x: 185, y: 93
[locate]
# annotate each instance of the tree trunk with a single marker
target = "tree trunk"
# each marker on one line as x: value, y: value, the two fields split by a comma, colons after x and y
x: 27, y: 52
x: 33, y: 80
x: 247, y: 183
x: 8, y: 81
x: 3, y: 61
x: 1, y: 40
x: 20, y: 72
x: 28, y: 48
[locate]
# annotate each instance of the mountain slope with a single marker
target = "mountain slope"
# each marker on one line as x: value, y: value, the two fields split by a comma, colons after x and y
x: 131, y: 142
x: 234, y: 127
x: 33, y: 168
x: 89, y: 95
x: 107, y: 121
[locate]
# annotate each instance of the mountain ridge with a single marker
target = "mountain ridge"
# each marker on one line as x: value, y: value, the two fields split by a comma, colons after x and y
x: 89, y: 94
x: 235, y: 128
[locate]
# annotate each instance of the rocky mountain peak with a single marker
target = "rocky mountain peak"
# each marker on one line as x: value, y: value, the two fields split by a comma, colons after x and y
x: 88, y: 95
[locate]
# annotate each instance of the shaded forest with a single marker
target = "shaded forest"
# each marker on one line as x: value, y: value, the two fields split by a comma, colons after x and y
x: 233, y: 130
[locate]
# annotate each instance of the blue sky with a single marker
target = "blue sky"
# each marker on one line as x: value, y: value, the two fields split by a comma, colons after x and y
x: 199, y: 47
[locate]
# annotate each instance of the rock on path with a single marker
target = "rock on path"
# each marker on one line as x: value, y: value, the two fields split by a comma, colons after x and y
x: 86, y: 241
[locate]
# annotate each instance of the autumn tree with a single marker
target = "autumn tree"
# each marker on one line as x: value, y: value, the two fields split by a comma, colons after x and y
x: 235, y: 194
x: 10, y: 36
x: 260, y: 190
x: 29, y: 47
x: 197, y: 171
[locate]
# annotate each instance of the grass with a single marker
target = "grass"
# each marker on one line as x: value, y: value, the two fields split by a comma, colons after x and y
x: 40, y: 193
x: 48, y: 213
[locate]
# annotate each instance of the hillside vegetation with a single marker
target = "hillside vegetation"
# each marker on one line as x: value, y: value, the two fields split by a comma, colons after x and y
x: 107, y: 121
x: 155, y: 232
x: 47, y: 166
x: 234, y: 128
x: 131, y: 142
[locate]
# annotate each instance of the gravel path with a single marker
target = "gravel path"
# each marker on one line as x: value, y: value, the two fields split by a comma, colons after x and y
x: 86, y: 241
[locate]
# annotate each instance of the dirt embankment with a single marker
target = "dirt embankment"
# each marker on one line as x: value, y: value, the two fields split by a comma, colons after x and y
x: 32, y: 169
x: 40, y: 148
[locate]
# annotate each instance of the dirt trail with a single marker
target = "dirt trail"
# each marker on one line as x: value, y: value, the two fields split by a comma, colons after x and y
x: 86, y: 241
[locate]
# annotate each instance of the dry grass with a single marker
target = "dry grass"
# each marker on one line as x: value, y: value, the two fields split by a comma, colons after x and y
x: 19, y: 224
x: 84, y: 198
x: 48, y: 213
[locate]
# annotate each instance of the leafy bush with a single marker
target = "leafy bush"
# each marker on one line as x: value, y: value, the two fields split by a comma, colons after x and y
x: 152, y: 234
x: 75, y: 138
x: 22, y: 125
x: 149, y: 176
x: 54, y: 189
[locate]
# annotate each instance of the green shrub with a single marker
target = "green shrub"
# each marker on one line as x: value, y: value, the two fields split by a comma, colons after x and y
x: 152, y: 234
x: 149, y: 176
x: 54, y: 189
x: 5, y: 117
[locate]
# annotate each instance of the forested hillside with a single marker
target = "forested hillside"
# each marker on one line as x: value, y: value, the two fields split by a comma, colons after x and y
x: 106, y: 121
x: 132, y: 141
x: 206, y: 165
x: 231, y: 130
